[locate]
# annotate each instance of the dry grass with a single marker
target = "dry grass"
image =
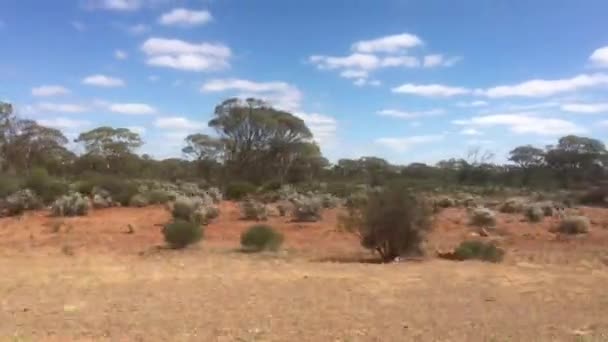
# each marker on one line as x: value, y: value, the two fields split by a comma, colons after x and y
x: 108, y: 290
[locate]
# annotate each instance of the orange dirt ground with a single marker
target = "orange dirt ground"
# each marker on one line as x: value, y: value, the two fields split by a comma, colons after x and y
x: 88, y: 278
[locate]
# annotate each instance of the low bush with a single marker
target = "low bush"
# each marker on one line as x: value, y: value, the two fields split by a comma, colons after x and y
x: 239, y: 190
x: 392, y: 222
x: 120, y: 190
x: 194, y: 209
x: 215, y: 194
x: 8, y: 185
x: 139, y: 201
x: 534, y: 213
x: 253, y: 210
x: 475, y: 249
x: 179, y: 234
x: 45, y: 186
x: 574, y: 225
x: 307, y: 209
x: 158, y: 196
x: 513, y: 205
x: 446, y: 202
x: 483, y: 217
x: 597, y: 196
x: 20, y: 201
x: 261, y: 237
x: 547, y: 207
x: 73, y: 204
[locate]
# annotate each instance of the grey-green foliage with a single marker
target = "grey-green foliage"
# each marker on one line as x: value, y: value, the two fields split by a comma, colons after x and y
x: 73, y: 204
x: 100, y: 202
x: 194, y: 209
x: 253, y: 210
x: 574, y: 225
x: 513, y: 205
x: 483, y: 217
x: 534, y: 213
x: 307, y: 208
x: 20, y: 201
x: 139, y: 201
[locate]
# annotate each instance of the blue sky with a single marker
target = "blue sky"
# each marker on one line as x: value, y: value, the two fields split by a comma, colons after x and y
x: 404, y: 80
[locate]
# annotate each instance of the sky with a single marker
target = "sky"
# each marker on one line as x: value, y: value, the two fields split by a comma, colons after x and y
x: 405, y: 80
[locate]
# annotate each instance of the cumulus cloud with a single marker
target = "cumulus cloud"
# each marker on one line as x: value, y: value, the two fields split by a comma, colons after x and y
x: 438, y: 60
x: 179, y: 123
x: 544, y: 88
x: 183, y: 55
x: 402, y: 144
x: 585, y: 108
x: 392, y: 43
x: 281, y: 94
x: 408, y: 115
x: 103, y: 81
x: 58, y: 108
x: 599, y: 57
x: 121, y: 5
x: 430, y: 90
x: 132, y: 108
x: 524, y: 123
x: 351, y: 73
x: 63, y: 123
x: 323, y: 127
x: 119, y: 54
x: 185, y: 18
x: 470, y: 131
x: 472, y: 104
x: 50, y: 90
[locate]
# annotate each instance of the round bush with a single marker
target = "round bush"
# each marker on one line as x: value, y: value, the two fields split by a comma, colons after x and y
x: 180, y: 234
x: 534, y: 213
x: 483, y: 217
x: 574, y: 225
x: 158, y: 197
x: 138, y: 201
x: 261, y: 237
x: 73, y: 204
x: 513, y: 205
x: 238, y: 190
x: 474, y: 249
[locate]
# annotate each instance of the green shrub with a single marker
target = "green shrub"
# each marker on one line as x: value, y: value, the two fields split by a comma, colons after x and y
x: 273, y: 185
x: 179, y: 233
x: 261, y: 237
x: 100, y: 202
x: 139, y: 201
x: 307, y: 209
x: 597, y: 196
x: 194, y: 209
x: 341, y: 190
x: 392, y: 222
x: 253, y: 210
x: 475, y: 249
x: 8, y: 185
x: 45, y: 186
x: 574, y: 225
x: 534, y: 213
x: 238, y: 190
x: 119, y: 189
x: 483, y: 217
x: 73, y: 204
x: 158, y: 196
x: 446, y: 202
x: 184, y: 209
x: 20, y: 201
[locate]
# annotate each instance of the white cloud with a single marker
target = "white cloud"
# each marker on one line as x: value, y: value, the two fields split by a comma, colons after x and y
x: 138, y: 29
x: 522, y: 123
x: 603, y: 123
x: 356, y: 60
x: 179, y: 123
x: 58, y: 108
x: 280, y: 94
x: 586, y: 108
x: 137, y: 129
x: 132, y: 108
x: 50, y: 90
x: 409, y: 115
x: 185, y: 18
x: 360, y: 82
x: 323, y: 127
x: 472, y: 104
x: 430, y: 90
x: 599, y: 57
x: 79, y: 26
x: 115, y: 5
x: 63, y: 123
x: 352, y: 73
x: 436, y: 60
x: 397, y: 61
x: 182, y: 55
x: 392, y: 43
x: 119, y: 54
x: 470, y: 131
x: 543, y: 88
x: 103, y: 81
x: 405, y: 143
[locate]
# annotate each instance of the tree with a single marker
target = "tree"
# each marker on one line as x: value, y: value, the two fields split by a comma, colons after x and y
x: 528, y: 158
x: 206, y: 152
x: 259, y: 139
x: 114, y: 145
x: 576, y: 156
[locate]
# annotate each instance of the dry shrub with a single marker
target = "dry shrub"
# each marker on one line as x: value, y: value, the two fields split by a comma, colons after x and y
x: 73, y: 204
x: 475, y: 249
x: 253, y: 210
x: 392, y: 222
x: 307, y: 209
x: 574, y: 225
x: 534, y: 213
x: 483, y: 217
